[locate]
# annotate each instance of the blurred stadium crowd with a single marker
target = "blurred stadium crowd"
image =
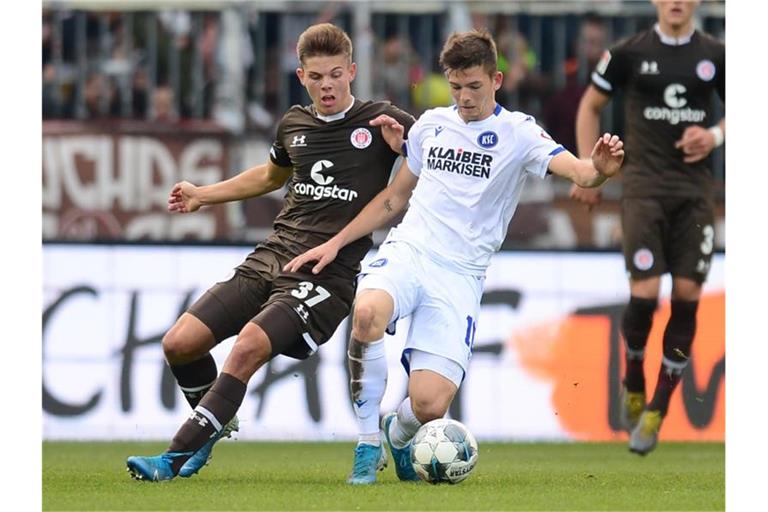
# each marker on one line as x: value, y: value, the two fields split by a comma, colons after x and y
x: 231, y: 67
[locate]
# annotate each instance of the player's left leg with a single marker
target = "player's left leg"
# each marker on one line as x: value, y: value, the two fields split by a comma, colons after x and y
x: 429, y: 395
x: 689, y: 253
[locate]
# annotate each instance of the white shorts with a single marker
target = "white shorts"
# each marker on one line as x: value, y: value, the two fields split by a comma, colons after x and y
x: 413, y: 360
x: 443, y: 304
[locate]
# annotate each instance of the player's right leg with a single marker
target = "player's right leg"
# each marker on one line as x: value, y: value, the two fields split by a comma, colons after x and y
x: 216, y: 409
x: 187, y: 348
x: 368, y: 379
x: 643, y: 225
x: 636, y: 326
x: 367, y: 364
x: 221, y: 312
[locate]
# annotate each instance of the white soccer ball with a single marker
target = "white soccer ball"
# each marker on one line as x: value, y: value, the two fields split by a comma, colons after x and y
x: 443, y: 450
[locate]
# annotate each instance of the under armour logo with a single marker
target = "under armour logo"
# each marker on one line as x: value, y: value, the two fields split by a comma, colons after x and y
x: 649, y: 67
x: 302, y: 312
x: 299, y: 141
x: 201, y: 420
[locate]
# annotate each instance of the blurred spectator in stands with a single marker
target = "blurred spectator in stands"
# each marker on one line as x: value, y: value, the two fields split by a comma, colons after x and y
x: 294, y: 24
x: 514, y: 62
x: 139, y: 93
x: 58, y: 75
x: 100, y: 99
x: 524, y: 87
x: 163, y: 108
x: 397, y: 70
x: 207, y: 45
x: 559, y: 115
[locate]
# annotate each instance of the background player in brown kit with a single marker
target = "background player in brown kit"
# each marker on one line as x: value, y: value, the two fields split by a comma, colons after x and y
x: 668, y: 74
x: 334, y: 162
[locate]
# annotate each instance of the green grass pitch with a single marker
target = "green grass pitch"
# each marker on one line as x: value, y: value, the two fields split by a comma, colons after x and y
x: 311, y: 476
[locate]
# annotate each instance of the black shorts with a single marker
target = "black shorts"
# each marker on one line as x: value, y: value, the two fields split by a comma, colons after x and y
x: 670, y: 234
x: 312, y: 306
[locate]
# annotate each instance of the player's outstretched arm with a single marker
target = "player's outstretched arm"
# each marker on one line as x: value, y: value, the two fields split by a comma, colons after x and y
x: 381, y: 210
x: 605, y: 161
x: 186, y: 197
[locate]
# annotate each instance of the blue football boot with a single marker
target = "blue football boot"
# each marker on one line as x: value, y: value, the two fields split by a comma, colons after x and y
x: 401, y: 456
x: 154, y: 469
x: 368, y: 460
x: 203, y: 455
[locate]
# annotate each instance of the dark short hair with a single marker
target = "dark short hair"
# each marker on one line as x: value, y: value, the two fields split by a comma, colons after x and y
x: 323, y: 39
x: 464, y: 50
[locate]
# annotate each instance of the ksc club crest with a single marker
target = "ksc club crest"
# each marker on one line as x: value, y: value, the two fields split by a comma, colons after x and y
x: 705, y: 70
x: 361, y: 138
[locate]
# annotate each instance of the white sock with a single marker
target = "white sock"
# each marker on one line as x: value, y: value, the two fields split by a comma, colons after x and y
x: 404, y: 426
x: 368, y: 381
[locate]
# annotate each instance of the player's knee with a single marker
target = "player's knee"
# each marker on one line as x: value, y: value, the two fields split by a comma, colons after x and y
x: 365, y: 328
x: 686, y: 290
x: 428, y: 408
x: 251, y: 350
x: 178, y: 347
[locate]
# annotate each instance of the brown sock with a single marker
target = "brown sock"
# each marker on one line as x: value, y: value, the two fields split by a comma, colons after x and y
x: 214, y: 411
x: 195, y: 378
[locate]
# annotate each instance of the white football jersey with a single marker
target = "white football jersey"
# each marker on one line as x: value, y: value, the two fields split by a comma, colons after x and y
x: 470, y: 179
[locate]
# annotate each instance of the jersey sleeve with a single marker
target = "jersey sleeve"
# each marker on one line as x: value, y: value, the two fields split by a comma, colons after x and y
x: 720, y: 67
x: 413, y: 146
x: 402, y: 117
x: 611, y: 72
x: 277, y: 153
x: 538, y: 147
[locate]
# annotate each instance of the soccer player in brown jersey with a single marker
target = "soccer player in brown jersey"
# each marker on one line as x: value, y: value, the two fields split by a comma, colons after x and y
x: 668, y: 75
x: 334, y: 162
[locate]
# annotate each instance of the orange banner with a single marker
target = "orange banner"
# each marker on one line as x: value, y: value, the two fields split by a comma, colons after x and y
x: 583, y: 356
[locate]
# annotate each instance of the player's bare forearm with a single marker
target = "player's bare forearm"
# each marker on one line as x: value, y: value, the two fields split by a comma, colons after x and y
x: 378, y: 213
x: 590, y: 178
x: 382, y: 209
x: 252, y: 182
x: 605, y: 161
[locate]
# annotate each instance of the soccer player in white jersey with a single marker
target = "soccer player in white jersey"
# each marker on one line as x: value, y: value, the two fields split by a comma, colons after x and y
x: 465, y: 168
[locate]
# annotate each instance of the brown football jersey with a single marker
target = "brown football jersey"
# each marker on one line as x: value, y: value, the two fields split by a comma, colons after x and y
x: 666, y: 88
x: 339, y: 166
